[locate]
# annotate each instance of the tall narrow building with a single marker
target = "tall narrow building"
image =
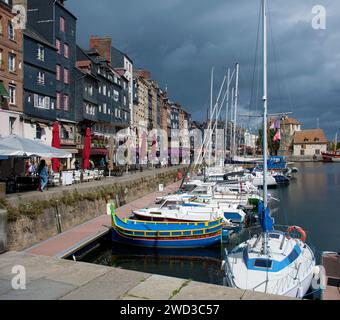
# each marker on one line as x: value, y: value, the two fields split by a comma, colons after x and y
x: 11, y: 72
x: 58, y: 26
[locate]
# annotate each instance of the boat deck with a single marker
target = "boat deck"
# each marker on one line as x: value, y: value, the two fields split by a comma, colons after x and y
x: 331, y: 263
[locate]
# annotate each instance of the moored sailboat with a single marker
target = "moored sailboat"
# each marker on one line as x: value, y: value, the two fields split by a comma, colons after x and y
x: 273, y: 262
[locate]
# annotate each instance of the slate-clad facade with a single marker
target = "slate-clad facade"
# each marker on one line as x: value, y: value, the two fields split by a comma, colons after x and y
x: 58, y: 26
x: 39, y: 87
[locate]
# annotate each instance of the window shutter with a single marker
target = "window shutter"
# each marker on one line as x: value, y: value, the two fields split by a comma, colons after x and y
x: 47, y: 102
x: 36, y: 100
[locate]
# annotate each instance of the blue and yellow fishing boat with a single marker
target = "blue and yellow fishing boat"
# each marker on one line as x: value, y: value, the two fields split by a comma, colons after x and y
x: 166, y: 234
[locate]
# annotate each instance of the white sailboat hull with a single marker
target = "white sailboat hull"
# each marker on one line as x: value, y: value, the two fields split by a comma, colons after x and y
x: 291, y: 279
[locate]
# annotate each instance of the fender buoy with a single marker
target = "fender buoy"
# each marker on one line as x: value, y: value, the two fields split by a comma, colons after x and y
x: 303, y: 234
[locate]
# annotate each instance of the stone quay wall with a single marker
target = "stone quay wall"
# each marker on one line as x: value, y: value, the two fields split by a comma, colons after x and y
x: 35, y: 216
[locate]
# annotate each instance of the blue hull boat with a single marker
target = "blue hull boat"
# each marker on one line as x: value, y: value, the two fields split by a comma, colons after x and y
x: 167, y: 244
x: 166, y: 234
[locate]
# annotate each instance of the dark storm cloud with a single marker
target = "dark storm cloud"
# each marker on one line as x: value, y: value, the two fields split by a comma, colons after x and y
x: 180, y: 40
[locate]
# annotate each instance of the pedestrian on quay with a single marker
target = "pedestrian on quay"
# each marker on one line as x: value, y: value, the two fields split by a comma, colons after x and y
x: 102, y: 163
x: 43, y: 175
x: 77, y: 165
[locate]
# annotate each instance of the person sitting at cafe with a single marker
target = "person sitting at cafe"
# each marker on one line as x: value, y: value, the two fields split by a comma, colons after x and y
x: 92, y: 166
x: 32, y: 169
x: 43, y: 175
x: 27, y: 166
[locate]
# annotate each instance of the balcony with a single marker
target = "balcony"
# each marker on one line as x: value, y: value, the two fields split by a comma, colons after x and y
x: 104, y: 117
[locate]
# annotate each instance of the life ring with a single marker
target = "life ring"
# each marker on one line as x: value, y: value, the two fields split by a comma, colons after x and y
x: 303, y: 234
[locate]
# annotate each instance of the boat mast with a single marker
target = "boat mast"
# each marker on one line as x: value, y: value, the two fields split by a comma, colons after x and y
x: 211, y: 113
x: 336, y: 143
x: 265, y: 103
x: 218, y: 111
x: 227, y: 114
x: 236, y: 105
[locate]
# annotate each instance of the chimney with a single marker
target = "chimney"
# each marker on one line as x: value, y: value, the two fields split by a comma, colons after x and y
x: 20, y: 3
x: 145, y: 74
x: 102, y: 45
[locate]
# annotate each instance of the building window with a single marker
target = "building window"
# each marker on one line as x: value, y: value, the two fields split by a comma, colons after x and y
x: 1, y: 59
x: 41, y: 78
x: 58, y: 46
x: 66, y: 76
x: 90, y: 109
x: 11, y: 125
x: 11, y: 33
x: 41, y: 102
x: 115, y: 95
x: 38, y: 132
x: 1, y: 26
x: 58, y: 103
x: 302, y: 152
x: 62, y: 24
x: 41, y: 52
x: 64, y: 134
x: 66, y: 102
x: 11, y: 62
x: 317, y: 152
x: 66, y: 51
x: 303, y: 146
x: 104, y: 90
x: 90, y: 91
x: 104, y: 108
x: 12, y: 94
x: 58, y: 72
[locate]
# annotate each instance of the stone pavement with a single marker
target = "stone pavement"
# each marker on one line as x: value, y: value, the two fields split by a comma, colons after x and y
x: 55, y: 279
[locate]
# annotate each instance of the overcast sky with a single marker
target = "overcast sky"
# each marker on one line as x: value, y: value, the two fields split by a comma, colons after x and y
x: 180, y: 40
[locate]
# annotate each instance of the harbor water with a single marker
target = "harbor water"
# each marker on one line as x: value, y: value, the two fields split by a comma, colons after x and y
x: 312, y: 201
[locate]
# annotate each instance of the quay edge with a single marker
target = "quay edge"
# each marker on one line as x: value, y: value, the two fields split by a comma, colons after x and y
x: 56, y: 279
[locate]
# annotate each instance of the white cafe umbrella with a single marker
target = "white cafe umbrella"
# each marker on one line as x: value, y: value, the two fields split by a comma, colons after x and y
x: 15, y: 146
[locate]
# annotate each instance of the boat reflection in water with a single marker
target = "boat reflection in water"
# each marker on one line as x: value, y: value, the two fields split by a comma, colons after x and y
x: 203, y: 265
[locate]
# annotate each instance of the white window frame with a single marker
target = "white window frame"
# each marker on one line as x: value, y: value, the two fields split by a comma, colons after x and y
x: 11, y: 31
x: 12, y: 90
x: 41, y: 52
x: 41, y: 78
x: 11, y: 62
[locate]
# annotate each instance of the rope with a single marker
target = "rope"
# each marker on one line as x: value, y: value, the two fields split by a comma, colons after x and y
x: 312, y: 293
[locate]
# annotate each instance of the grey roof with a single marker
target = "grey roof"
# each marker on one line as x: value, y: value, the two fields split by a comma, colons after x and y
x: 29, y: 32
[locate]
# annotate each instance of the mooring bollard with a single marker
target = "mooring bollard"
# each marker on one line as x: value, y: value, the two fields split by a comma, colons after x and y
x: 3, y: 231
